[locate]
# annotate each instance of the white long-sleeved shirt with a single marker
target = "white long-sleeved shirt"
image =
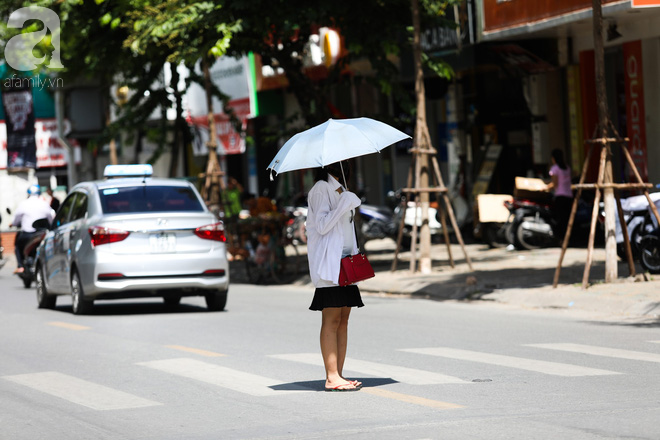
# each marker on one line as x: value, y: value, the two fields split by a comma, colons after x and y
x: 31, y: 209
x: 328, y: 216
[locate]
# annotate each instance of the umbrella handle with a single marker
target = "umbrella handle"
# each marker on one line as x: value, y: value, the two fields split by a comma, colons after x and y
x: 342, y: 174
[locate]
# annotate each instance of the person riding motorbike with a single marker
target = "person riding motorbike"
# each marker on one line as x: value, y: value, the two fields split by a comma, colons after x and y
x: 29, y: 210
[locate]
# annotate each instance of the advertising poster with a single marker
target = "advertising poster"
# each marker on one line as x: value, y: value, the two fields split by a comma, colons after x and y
x: 19, y: 120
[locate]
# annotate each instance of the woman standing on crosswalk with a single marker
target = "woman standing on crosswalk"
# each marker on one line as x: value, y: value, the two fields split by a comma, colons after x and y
x: 331, y: 236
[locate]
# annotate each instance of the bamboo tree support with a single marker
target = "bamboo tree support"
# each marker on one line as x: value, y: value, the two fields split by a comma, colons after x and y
x: 440, y: 190
x: 213, y: 190
x: 600, y: 184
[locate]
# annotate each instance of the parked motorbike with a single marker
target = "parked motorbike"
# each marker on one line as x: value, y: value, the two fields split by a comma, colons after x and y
x: 295, y: 227
x: 639, y: 220
x: 532, y: 224
x: 649, y: 251
x: 30, y: 251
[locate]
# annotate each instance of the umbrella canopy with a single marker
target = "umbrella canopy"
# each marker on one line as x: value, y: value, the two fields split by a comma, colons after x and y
x: 333, y: 141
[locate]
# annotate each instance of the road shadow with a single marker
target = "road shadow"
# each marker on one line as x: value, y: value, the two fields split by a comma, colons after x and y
x: 319, y: 385
x: 643, y: 322
x: 117, y: 308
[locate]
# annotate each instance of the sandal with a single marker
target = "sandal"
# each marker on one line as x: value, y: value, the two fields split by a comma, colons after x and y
x: 339, y: 388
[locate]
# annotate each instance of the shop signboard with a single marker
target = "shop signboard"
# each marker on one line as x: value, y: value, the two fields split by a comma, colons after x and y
x: 645, y: 3
x: 635, y: 113
x: 232, y: 76
x: 49, y: 151
x: 503, y: 14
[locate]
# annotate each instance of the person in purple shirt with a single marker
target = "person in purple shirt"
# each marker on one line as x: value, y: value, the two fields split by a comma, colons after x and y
x: 561, y: 185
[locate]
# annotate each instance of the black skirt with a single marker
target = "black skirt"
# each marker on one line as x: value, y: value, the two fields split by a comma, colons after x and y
x: 336, y: 296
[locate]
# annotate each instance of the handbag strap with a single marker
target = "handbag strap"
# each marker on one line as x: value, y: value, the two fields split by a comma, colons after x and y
x: 357, y: 237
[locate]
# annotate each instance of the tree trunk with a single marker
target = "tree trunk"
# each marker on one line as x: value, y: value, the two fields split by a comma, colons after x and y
x: 421, y: 141
x: 611, y: 259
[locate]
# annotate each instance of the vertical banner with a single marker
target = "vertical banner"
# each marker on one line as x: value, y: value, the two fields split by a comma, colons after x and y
x: 635, y: 115
x: 576, y: 136
x: 589, y: 109
x: 19, y: 119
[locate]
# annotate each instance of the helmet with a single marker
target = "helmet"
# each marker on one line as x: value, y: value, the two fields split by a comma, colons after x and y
x: 34, y: 190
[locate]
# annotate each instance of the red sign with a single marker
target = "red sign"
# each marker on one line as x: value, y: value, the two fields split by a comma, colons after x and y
x: 635, y: 115
x: 645, y: 3
x: 229, y: 141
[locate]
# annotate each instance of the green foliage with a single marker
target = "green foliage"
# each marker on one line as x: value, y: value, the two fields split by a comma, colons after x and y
x: 129, y: 42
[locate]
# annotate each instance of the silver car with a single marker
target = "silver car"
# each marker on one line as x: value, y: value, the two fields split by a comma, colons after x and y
x: 133, y: 237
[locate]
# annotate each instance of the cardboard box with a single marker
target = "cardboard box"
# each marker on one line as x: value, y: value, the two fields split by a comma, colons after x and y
x: 491, y: 209
x: 531, y: 188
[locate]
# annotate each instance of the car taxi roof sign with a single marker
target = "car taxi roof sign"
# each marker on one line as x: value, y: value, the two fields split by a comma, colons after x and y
x: 137, y: 170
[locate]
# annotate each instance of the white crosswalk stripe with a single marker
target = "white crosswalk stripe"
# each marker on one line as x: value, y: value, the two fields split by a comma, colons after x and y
x: 80, y: 391
x: 655, y: 342
x: 601, y: 351
x: 213, y: 374
x: 400, y: 374
x: 553, y: 368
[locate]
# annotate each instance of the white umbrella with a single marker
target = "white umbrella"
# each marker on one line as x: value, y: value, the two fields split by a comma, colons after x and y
x: 333, y: 141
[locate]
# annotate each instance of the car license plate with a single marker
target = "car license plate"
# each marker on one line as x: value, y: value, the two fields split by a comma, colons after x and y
x: 161, y: 243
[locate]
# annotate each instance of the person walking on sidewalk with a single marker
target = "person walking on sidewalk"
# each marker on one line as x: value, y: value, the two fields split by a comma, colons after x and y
x: 331, y: 236
x: 561, y: 185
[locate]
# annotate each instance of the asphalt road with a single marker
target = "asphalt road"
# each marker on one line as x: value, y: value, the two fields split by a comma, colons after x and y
x: 431, y: 370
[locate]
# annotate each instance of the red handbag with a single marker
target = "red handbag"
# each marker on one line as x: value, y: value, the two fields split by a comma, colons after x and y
x: 355, y: 268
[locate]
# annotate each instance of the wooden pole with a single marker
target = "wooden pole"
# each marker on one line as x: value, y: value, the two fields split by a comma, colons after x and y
x: 422, y: 139
x: 450, y: 211
x: 445, y: 232
x: 583, y: 176
x: 639, y: 178
x: 402, y: 222
x: 626, y: 239
x: 611, y: 264
x: 594, y: 219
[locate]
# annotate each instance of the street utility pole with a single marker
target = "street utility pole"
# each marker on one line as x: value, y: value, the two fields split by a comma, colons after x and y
x: 611, y: 265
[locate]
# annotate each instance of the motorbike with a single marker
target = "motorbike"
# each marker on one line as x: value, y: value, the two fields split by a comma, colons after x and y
x: 30, y: 252
x: 295, y: 227
x: 649, y: 251
x: 532, y: 224
x: 639, y: 222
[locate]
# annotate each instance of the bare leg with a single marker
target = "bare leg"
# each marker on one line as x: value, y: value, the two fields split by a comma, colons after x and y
x: 342, y: 343
x: 331, y: 319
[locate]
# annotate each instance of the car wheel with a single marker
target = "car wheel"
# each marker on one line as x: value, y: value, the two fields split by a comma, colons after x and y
x: 81, y: 305
x: 44, y: 299
x: 216, y: 301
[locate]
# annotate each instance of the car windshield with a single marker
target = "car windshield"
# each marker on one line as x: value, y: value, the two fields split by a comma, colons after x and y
x: 145, y: 198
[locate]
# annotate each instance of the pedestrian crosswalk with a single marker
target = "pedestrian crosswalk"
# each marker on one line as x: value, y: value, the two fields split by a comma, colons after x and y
x: 602, y: 351
x: 210, y: 368
x: 553, y: 368
x: 80, y: 391
x: 213, y: 374
x: 410, y: 376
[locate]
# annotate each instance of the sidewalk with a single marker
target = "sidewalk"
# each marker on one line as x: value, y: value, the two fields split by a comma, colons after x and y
x: 516, y: 278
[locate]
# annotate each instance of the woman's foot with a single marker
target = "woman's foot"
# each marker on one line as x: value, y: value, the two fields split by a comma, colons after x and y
x: 346, y: 386
x: 357, y: 383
